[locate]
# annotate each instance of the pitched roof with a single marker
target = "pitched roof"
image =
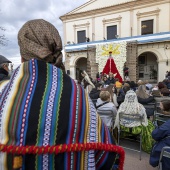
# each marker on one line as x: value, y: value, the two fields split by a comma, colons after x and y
x: 97, y: 4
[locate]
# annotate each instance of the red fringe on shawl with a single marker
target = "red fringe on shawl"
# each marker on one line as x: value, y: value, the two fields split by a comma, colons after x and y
x: 65, y: 148
x: 111, y: 67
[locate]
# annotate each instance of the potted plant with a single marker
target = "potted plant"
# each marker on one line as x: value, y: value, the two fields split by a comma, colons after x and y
x: 154, y: 73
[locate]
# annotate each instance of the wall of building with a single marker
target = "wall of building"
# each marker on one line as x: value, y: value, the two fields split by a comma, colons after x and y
x: 129, y: 24
x: 162, y: 54
x: 72, y: 59
x: 77, y: 25
x: 164, y: 23
x: 155, y: 12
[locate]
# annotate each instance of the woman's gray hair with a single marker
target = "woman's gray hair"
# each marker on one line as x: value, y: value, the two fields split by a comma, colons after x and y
x: 2, y: 65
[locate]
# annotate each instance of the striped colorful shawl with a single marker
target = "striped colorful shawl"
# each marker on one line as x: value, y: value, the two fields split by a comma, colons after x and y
x: 41, y: 106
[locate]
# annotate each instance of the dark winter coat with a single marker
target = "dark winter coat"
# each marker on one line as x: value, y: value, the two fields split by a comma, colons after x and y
x: 111, y: 81
x: 149, y: 108
x: 146, y: 101
x: 3, y: 74
x: 121, y: 96
x: 94, y: 94
x: 162, y: 137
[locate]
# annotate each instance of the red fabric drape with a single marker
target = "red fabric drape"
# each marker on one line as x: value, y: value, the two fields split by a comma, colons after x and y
x: 111, y: 67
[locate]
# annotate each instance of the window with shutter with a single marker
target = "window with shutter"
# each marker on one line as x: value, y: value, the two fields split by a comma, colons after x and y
x: 81, y: 36
x: 147, y: 27
x: 111, y: 32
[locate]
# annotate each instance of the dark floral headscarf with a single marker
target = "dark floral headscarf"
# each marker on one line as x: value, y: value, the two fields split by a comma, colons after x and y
x: 39, y: 39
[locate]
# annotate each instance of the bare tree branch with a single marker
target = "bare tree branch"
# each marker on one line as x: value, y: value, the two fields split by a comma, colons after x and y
x: 3, y: 39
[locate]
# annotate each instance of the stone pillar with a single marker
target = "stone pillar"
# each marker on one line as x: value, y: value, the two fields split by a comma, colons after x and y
x: 72, y: 71
x: 92, y: 66
x: 67, y: 61
x: 131, y: 61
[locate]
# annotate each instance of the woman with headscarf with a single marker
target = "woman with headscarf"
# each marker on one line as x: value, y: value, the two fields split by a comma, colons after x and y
x: 130, y: 106
x: 42, y: 107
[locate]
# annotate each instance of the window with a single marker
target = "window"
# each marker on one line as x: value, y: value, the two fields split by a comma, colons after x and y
x: 141, y: 75
x: 111, y: 32
x: 147, y: 27
x: 81, y: 36
x: 142, y: 59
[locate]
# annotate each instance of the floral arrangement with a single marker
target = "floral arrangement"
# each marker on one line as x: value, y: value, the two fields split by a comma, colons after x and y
x: 118, y: 50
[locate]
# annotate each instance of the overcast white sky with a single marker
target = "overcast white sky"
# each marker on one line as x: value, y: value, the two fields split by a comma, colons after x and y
x: 14, y: 13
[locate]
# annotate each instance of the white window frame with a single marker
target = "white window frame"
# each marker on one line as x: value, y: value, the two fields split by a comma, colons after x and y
x: 81, y: 27
x: 111, y: 22
x: 149, y: 15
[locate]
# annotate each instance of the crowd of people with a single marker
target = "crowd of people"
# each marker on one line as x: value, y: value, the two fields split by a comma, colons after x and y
x: 112, y: 97
x: 42, y: 106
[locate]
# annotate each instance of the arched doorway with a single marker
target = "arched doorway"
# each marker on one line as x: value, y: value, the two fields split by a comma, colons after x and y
x: 148, y: 67
x: 81, y: 64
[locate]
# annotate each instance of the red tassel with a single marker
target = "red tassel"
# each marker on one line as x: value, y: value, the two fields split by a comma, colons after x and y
x: 65, y: 148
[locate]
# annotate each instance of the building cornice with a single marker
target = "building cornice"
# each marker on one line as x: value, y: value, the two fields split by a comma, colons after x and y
x: 114, y: 9
x: 153, y: 12
x: 111, y: 20
x: 81, y: 25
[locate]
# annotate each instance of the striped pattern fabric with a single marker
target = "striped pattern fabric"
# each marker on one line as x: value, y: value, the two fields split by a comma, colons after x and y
x: 41, y: 106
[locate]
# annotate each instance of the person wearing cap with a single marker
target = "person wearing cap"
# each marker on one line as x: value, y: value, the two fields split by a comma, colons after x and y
x: 4, y: 70
x: 43, y: 107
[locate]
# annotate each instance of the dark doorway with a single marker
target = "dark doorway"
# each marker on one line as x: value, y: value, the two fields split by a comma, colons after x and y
x: 81, y: 65
x: 148, y: 67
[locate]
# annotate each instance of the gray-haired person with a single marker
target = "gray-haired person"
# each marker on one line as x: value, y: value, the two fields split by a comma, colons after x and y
x: 4, y: 70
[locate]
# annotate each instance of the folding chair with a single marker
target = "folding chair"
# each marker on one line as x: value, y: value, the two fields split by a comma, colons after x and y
x: 151, y: 106
x: 159, y: 118
x: 164, y: 153
x: 108, y: 119
x: 130, y: 118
